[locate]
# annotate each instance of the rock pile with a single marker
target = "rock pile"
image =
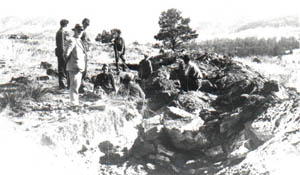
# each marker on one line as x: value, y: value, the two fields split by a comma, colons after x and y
x: 199, y: 127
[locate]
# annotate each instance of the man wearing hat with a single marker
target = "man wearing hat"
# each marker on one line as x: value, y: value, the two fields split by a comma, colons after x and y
x: 119, y: 48
x: 105, y: 81
x: 76, y: 55
x: 59, y: 52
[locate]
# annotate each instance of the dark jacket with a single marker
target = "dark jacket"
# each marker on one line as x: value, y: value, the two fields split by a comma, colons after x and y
x: 119, y: 46
x: 106, y: 82
x: 145, y: 69
x: 60, y: 39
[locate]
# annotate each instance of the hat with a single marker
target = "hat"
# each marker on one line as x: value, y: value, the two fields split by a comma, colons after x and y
x: 116, y: 31
x: 64, y: 22
x: 127, y: 78
x: 78, y: 28
x: 104, y: 66
x: 86, y: 21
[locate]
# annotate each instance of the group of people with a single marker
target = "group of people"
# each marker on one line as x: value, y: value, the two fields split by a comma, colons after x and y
x: 72, y: 57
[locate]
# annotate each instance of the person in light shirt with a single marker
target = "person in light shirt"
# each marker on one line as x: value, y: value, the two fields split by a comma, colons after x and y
x: 76, y: 56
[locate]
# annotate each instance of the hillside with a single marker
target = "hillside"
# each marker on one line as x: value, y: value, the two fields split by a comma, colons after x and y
x: 265, y: 28
x: 247, y: 122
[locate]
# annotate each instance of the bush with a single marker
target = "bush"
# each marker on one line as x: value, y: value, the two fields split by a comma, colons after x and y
x: 105, y: 37
x: 14, y: 99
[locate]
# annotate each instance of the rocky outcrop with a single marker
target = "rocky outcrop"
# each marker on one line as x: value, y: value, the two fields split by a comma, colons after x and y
x: 272, y: 138
x: 206, y: 126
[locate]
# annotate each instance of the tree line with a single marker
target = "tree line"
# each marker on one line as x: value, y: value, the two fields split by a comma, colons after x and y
x: 176, y: 34
x: 251, y: 46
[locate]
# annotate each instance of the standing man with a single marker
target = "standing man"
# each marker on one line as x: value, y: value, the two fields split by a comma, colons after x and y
x: 86, y: 44
x: 76, y: 54
x: 59, y: 52
x: 119, y: 48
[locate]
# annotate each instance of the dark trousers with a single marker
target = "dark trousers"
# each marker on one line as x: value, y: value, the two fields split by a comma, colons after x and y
x: 117, y: 62
x: 62, y: 73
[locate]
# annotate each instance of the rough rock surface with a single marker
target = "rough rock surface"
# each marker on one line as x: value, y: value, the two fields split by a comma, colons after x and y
x: 240, y: 127
x: 215, y: 126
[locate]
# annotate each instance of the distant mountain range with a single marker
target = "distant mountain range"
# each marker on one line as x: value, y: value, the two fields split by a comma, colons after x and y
x: 38, y: 27
x: 264, y: 28
x: 286, y: 26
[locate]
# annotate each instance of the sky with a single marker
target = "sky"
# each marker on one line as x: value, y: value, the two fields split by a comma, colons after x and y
x: 139, y: 18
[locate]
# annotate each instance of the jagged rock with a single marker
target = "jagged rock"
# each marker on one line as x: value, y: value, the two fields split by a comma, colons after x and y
x: 161, y: 99
x: 162, y: 159
x: 45, y: 65
x: 214, y: 152
x: 193, y: 101
x: 141, y: 149
x: 107, y: 147
x: 255, y: 139
x: 111, y: 159
x: 201, y: 140
x: 239, y: 146
x: 190, y: 124
x: 42, y: 78
x: 256, y: 60
x: 52, y: 72
x: 21, y: 79
x: 162, y: 150
x: 18, y: 36
x: 270, y: 86
x: 82, y: 150
x: 150, y: 166
x: 176, y: 113
x: 182, y: 140
x: 153, y: 133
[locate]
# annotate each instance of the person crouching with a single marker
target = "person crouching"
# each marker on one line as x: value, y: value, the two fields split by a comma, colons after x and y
x: 131, y: 89
x: 76, y: 55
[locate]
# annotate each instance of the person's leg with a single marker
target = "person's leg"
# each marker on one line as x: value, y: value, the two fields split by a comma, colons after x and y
x: 84, y: 74
x: 75, y: 81
x: 117, y: 63
x: 123, y: 61
x: 61, y: 72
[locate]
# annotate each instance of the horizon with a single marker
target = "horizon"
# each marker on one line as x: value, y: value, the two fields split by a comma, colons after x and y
x: 138, y: 20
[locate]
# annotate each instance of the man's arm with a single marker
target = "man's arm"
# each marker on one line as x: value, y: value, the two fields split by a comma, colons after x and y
x: 187, y: 70
x: 69, y: 48
x: 113, y: 82
x: 123, y: 46
x: 59, y: 40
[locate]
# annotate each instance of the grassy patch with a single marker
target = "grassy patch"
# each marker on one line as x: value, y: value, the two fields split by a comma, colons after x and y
x: 14, y: 99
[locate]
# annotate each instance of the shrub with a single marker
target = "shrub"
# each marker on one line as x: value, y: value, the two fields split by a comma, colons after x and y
x: 14, y: 99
